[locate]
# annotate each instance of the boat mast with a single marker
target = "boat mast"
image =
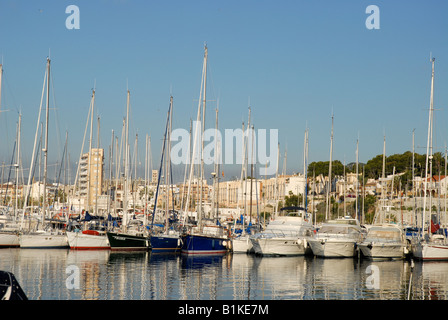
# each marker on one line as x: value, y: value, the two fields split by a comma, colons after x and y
x: 97, y: 185
x: 251, y: 174
x: 92, y: 103
x: 305, y: 172
x: 202, y: 132
x: 45, y: 150
x: 327, y: 213
x: 216, y: 167
x: 168, y: 166
x: 429, y: 152
x: 17, y: 165
x: 413, y: 177
x: 160, y: 167
x: 126, y: 160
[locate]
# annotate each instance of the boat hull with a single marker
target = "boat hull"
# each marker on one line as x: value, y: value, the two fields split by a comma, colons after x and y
x: 242, y: 244
x: 123, y: 241
x: 331, y: 248
x: 166, y: 243
x: 81, y: 241
x: 428, y: 251
x: 203, y: 244
x: 285, y: 246
x: 9, y: 240
x: 382, y: 250
x: 43, y: 240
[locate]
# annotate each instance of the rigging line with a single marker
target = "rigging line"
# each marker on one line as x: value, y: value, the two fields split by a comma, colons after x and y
x: 5, y: 79
x: 56, y: 114
x: 10, y: 169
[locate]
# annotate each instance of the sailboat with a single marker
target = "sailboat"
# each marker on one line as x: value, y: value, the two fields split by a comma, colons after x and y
x: 384, y: 240
x: 243, y: 228
x: 88, y: 238
x: 44, y: 236
x: 208, y: 237
x: 429, y: 245
x: 9, y: 229
x: 127, y: 238
x: 169, y: 240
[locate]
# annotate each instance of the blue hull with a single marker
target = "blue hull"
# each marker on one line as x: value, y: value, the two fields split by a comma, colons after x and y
x: 165, y: 244
x: 201, y: 244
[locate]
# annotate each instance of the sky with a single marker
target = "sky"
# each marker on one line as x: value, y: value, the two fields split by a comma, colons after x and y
x: 295, y: 63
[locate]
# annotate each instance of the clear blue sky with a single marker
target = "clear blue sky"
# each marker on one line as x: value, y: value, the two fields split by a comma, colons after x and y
x: 297, y: 62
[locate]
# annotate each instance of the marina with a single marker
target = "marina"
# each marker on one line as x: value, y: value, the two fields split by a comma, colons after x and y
x: 110, y: 275
x: 223, y: 198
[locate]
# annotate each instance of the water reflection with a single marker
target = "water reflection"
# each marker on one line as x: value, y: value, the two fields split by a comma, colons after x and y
x: 110, y: 275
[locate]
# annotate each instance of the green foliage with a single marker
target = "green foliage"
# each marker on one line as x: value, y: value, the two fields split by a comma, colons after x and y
x: 293, y: 200
x: 322, y: 167
x: 374, y: 167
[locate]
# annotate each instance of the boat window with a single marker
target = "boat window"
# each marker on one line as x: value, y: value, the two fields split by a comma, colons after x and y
x: 384, y: 234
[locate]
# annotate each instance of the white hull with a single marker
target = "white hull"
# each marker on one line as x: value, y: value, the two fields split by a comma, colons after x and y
x: 283, y: 246
x: 9, y: 239
x: 43, y: 240
x: 383, y: 250
x: 81, y: 241
x: 333, y: 248
x: 430, y: 251
x: 241, y: 244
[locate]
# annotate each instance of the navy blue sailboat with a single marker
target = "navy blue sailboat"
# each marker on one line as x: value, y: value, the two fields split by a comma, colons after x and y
x: 169, y: 240
x: 205, y: 238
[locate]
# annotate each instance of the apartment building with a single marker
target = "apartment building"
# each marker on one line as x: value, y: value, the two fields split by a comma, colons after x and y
x: 91, y: 175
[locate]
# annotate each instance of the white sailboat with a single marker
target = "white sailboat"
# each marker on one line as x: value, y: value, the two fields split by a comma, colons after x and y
x: 44, y: 237
x: 385, y: 241
x: 87, y: 239
x: 9, y: 236
x: 429, y: 245
x: 241, y: 242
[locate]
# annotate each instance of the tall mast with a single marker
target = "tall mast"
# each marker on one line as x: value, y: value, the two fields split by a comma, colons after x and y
x: 251, y: 173
x: 92, y: 104
x: 383, y: 182
x: 327, y: 213
x: 202, y: 131
x: 305, y: 170
x: 45, y: 150
x: 413, y: 176
x: 216, y: 170
x: 18, y: 165
x: 429, y: 151
x: 168, y: 166
x: 97, y: 184
x: 126, y: 163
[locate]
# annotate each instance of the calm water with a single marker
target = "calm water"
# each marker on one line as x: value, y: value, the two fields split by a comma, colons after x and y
x: 106, y: 275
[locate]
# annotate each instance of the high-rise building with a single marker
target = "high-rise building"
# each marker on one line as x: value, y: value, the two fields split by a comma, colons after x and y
x: 91, y: 177
x: 155, y: 176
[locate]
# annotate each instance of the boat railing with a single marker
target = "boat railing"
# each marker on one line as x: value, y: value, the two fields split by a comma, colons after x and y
x: 383, y: 240
x: 353, y: 236
x: 280, y: 234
